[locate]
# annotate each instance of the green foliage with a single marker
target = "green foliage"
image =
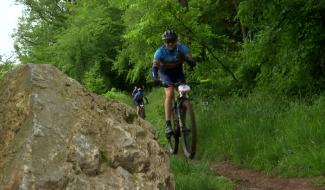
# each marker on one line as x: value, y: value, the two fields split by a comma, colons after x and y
x: 273, y: 46
x: 4, y: 68
x: 87, y: 36
x: 93, y: 81
x: 90, y: 41
x: 282, y: 54
x: 120, y: 96
x: 190, y: 175
x: 144, y: 28
x: 155, y: 112
x: 269, y: 133
x: 41, y: 21
x: 6, y: 64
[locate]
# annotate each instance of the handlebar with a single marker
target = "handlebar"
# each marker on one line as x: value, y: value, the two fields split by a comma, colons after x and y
x: 160, y: 83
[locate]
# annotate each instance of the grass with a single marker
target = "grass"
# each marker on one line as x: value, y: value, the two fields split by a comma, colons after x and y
x: 155, y: 113
x: 193, y: 175
x: 118, y: 95
x: 265, y: 133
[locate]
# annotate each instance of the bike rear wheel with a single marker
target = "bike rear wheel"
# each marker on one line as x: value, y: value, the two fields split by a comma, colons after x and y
x: 188, y: 128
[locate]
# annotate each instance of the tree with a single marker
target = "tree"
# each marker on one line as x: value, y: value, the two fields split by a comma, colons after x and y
x: 246, y: 44
x: 73, y: 36
x: 6, y: 64
x: 38, y: 27
x: 284, y: 54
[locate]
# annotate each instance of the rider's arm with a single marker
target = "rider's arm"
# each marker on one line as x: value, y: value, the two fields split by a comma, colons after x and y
x: 190, y: 60
x: 156, y: 64
x: 134, y: 91
x: 188, y: 55
x: 154, y: 69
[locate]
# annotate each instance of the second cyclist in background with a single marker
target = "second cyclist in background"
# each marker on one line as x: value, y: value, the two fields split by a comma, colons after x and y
x: 138, y: 96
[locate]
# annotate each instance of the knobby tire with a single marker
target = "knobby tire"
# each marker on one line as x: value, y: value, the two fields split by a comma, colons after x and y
x: 188, y: 128
x: 173, y: 140
x: 141, y: 112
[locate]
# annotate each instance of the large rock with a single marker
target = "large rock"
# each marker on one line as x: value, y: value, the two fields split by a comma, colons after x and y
x: 54, y: 134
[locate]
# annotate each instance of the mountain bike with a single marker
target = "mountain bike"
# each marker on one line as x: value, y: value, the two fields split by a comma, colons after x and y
x: 183, y: 124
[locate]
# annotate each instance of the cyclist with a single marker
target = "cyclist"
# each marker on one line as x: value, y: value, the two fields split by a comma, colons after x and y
x: 168, y: 60
x: 138, y: 97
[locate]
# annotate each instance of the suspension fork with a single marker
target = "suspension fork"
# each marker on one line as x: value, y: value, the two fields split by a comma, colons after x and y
x: 175, y: 111
x: 176, y: 107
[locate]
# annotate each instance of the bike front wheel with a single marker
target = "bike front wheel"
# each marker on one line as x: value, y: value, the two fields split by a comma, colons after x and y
x: 187, y: 117
x: 173, y: 140
x: 141, y: 112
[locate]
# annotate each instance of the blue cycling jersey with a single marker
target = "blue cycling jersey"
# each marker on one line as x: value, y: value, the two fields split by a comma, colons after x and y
x: 171, y: 56
x: 170, y: 67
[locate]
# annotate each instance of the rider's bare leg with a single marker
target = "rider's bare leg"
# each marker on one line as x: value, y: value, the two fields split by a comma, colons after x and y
x: 169, y: 95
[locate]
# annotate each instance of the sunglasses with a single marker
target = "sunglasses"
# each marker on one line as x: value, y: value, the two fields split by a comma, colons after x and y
x: 170, y: 41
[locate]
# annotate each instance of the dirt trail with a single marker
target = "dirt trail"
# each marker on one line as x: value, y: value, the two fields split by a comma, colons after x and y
x: 251, y: 180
